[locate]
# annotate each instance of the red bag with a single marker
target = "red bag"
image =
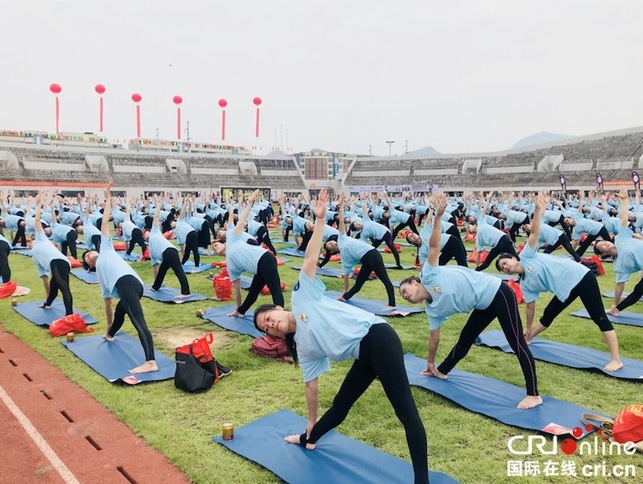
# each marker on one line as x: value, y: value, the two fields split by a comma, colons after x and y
x: 7, y: 289
x: 398, y: 248
x: 72, y: 323
x: 628, y: 425
x: 75, y: 263
x: 483, y: 256
x: 515, y: 287
x: 146, y: 254
x: 200, y: 348
x: 270, y: 347
x: 266, y: 291
x: 595, y: 260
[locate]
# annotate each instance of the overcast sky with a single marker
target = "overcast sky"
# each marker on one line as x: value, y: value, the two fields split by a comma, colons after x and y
x: 341, y: 75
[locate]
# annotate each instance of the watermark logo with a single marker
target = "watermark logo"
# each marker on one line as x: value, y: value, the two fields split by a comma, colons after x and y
x: 532, y: 448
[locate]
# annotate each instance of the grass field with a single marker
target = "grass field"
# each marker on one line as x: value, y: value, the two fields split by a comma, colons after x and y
x: 470, y: 447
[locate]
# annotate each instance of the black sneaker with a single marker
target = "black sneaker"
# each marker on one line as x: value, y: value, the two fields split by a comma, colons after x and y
x: 223, y: 370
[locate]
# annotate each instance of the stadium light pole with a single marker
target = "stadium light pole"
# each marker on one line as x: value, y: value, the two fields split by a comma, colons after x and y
x: 389, y: 143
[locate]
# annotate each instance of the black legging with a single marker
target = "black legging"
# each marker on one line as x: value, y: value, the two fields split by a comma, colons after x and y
x: 563, y: 224
x: 504, y: 245
x: 590, y: 295
x: 191, y: 245
x: 131, y: 290
x: 603, y: 233
x: 453, y: 249
x: 564, y: 241
x: 632, y: 298
x: 267, y: 275
x: 380, y: 356
x: 171, y: 260
x: 20, y: 235
x: 372, y: 261
x: 410, y: 223
x: 5, y: 270
x: 137, y: 238
x: 60, y: 281
x: 204, y: 235
x: 453, y: 230
x: 515, y: 228
x: 263, y: 237
x: 504, y: 307
x: 96, y: 241
x: 388, y: 240
x: 70, y: 243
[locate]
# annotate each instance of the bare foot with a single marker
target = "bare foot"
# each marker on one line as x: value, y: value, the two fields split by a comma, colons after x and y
x: 613, y: 312
x: 341, y: 298
x: 388, y: 308
x: 235, y: 314
x: 183, y: 295
x: 614, y: 365
x: 43, y: 306
x: 147, y: 367
x: 152, y: 289
x: 294, y: 439
x: 530, y: 401
x: 108, y: 337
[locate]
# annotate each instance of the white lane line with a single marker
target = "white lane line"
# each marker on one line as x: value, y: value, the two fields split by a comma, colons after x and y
x: 38, y: 439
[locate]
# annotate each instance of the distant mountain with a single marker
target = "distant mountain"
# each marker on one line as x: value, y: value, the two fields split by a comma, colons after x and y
x: 539, y: 139
x: 426, y: 151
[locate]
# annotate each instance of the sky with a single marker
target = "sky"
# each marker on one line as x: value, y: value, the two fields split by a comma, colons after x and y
x: 462, y: 76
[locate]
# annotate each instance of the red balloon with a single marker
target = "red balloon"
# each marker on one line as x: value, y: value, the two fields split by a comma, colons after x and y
x: 177, y: 100
x: 136, y: 97
x: 223, y: 103
x: 99, y: 88
x: 257, y: 101
x: 55, y: 88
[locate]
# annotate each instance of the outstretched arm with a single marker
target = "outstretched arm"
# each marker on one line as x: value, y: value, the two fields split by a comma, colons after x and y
x: 311, y: 256
x: 536, y: 222
x: 104, y: 226
x: 241, y: 223
x: 436, y: 234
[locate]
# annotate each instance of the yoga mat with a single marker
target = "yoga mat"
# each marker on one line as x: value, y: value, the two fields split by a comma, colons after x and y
x: 168, y: 294
x: 336, y: 459
x: 375, y: 307
x: 566, y: 355
x: 129, y: 257
x: 26, y: 251
x: 498, y: 400
x: 83, y: 275
x: 112, y: 360
x: 393, y: 266
x: 625, y: 317
x: 245, y: 325
x: 189, y: 268
x: 44, y: 317
x: 334, y: 272
x: 292, y: 251
x: 623, y: 296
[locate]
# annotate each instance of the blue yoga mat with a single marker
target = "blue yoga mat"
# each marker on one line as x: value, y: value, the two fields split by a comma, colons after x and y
x: 375, y: 307
x: 624, y: 317
x: 83, y: 275
x: 393, y: 266
x: 498, y: 400
x: 168, y: 294
x: 292, y: 251
x: 26, y: 252
x: 566, y: 355
x: 44, y: 317
x: 334, y: 272
x: 113, y: 360
x: 20, y: 247
x: 336, y: 459
x: 129, y: 257
x: 243, y: 325
x: 189, y: 268
x: 623, y: 296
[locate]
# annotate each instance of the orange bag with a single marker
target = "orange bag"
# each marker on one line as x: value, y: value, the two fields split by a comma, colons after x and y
x: 72, y: 323
x: 266, y: 291
x: 398, y: 248
x: 483, y: 256
x: 628, y: 425
x: 74, y: 262
x: 7, y: 289
x: 515, y: 287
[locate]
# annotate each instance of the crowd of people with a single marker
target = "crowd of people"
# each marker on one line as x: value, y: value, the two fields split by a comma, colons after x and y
x: 318, y: 329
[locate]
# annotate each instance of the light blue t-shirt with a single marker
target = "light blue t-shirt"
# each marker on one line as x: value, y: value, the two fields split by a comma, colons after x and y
x: 43, y: 252
x: 240, y: 256
x: 545, y: 272
x: 89, y: 230
x: 630, y: 255
x: 456, y: 289
x: 181, y: 230
x: 110, y: 267
x: 352, y: 251
x: 487, y: 236
x: 158, y: 245
x: 549, y: 234
x: 327, y: 329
